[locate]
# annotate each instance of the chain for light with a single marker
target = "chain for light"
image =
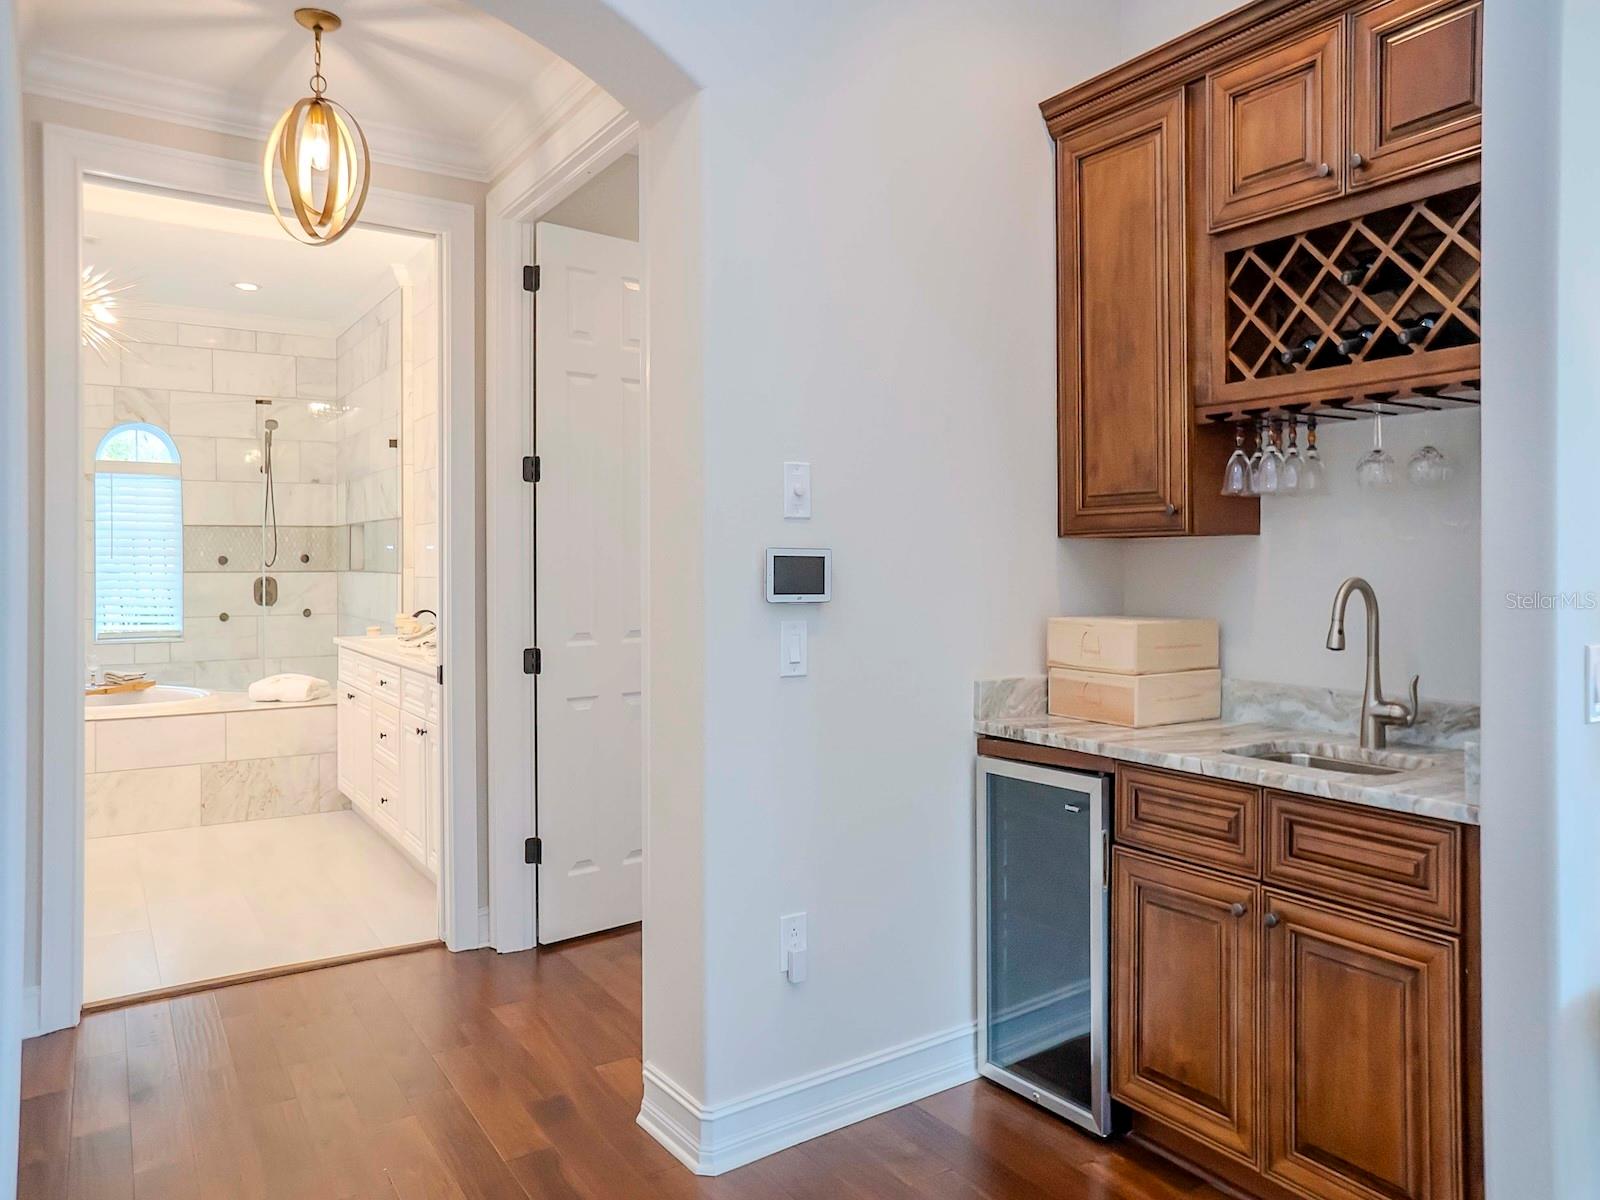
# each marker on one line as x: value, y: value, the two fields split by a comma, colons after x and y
x: 318, y: 83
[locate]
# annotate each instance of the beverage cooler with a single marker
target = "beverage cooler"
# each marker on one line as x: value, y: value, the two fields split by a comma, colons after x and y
x: 1043, y: 866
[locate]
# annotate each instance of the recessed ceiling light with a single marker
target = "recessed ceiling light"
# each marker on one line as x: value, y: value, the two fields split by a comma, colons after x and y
x: 246, y: 286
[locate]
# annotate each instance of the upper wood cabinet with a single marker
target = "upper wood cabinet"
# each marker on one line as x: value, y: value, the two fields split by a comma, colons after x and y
x: 1274, y: 214
x: 1362, y: 1057
x: 1124, y: 403
x: 1129, y: 452
x: 1416, y: 96
x: 1277, y: 128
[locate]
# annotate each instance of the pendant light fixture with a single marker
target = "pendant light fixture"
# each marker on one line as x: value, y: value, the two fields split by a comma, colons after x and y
x: 317, y: 155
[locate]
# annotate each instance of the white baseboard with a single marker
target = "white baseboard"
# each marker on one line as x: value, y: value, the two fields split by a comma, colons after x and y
x: 710, y: 1141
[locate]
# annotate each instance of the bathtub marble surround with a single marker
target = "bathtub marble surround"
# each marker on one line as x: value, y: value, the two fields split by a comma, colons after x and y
x: 219, y: 759
x: 179, y: 906
x: 1435, y: 784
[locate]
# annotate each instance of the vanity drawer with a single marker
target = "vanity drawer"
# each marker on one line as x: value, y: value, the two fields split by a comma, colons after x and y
x: 385, y: 733
x: 1386, y: 862
x: 1191, y: 817
x: 385, y: 682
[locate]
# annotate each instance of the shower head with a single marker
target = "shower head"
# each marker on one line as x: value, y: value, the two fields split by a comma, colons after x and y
x: 271, y: 424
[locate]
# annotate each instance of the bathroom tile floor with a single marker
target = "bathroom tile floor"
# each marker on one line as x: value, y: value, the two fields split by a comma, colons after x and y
x: 185, y: 905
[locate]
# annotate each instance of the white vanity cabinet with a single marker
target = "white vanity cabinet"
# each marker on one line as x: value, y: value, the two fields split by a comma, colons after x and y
x: 389, y: 757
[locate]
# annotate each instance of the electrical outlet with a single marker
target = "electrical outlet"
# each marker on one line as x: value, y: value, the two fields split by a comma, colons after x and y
x: 792, y: 946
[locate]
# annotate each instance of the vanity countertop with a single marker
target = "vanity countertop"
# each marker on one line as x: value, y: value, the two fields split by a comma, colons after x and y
x: 391, y: 650
x: 1437, y: 789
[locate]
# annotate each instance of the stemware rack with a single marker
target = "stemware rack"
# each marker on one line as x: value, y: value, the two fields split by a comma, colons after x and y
x: 1377, y: 312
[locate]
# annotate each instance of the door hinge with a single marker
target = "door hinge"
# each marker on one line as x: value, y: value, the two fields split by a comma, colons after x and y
x: 441, y: 673
x: 533, y: 852
x: 530, y: 468
x: 532, y: 661
x: 530, y: 279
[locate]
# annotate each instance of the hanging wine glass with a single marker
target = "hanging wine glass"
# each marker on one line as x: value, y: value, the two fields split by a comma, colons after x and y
x: 1428, y: 467
x: 1289, y: 472
x: 1256, y: 458
x: 1236, y: 475
x: 1375, y: 470
x: 1313, y: 475
x: 1271, y: 463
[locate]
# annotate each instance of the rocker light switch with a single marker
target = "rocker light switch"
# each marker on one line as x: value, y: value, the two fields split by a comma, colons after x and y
x: 797, y: 490
x: 791, y: 648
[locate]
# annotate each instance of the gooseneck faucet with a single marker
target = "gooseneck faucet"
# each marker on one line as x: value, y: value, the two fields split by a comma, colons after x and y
x: 1377, y: 713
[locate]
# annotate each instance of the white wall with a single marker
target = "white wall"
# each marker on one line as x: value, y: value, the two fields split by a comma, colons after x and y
x: 15, y: 635
x: 1273, y: 593
x: 875, y: 216
x: 608, y: 203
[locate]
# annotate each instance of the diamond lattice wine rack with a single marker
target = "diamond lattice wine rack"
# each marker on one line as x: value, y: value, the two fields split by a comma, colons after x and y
x: 1378, y: 311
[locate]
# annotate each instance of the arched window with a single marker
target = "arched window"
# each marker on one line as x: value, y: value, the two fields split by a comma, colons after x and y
x: 138, y: 536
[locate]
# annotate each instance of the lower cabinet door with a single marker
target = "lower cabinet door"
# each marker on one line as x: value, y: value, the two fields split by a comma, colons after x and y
x: 413, y: 786
x: 1185, y: 962
x: 386, y: 792
x: 1362, y: 1046
x: 433, y: 778
x: 354, y: 746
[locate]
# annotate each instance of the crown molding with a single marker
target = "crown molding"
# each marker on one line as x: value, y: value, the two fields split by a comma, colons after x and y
x: 120, y: 88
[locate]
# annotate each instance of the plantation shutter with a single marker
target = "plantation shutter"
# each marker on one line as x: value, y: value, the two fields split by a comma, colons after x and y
x: 138, y: 553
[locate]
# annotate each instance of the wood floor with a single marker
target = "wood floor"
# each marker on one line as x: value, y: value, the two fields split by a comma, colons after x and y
x: 473, y: 1075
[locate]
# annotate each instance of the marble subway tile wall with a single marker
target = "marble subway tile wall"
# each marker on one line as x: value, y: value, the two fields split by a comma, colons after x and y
x: 419, y: 472
x: 211, y: 380
x: 367, y: 393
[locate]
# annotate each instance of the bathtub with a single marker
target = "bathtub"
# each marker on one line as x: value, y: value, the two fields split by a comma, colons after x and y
x: 172, y: 757
x: 151, y: 702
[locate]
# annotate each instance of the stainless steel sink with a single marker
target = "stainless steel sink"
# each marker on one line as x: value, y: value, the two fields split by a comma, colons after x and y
x: 1298, y: 758
x: 1346, y: 760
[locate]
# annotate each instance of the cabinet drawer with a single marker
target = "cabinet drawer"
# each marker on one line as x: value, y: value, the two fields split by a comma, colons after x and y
x: 386, y: 734
x: 385, y: 682
x: 414, y: 689
x: 1194, y: 818
x: 386, y: 797
x: 1404, y: 866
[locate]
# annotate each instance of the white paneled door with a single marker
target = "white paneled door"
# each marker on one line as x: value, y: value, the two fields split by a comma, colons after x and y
x: 589, y: 429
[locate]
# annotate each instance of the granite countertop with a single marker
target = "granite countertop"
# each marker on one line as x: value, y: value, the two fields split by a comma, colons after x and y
x: 1435, y: 781
x: 391, y: 650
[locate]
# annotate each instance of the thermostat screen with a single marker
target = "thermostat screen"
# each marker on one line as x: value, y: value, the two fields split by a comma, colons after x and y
x: 799, y: 574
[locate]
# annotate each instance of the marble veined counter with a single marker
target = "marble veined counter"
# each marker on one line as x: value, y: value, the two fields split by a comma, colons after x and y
x: 1433, y: 782
x: 391, y: 649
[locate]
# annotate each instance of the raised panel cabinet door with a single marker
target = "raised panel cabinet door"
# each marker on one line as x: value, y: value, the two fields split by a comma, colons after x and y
x: 1124, y: 405
x: 1416, y: 92
x: 1276, y: 129
x: 433, y: 793
x: 413, y: 818
x: 353, y: 742
x: 1362, y: 1054
x: 1186, y: 969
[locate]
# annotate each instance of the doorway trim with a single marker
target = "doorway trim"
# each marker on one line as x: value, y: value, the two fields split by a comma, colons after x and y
x: 71, y: 155
x: 598, y: 132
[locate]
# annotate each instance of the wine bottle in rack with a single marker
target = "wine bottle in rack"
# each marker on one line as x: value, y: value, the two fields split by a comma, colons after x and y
x: 1352, y: 343
x: 1359, y: 272
x: 1417, y: 331
x: 1299, y: 352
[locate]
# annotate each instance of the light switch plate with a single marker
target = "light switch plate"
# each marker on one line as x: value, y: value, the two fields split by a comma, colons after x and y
x: 1591, y: 683
x: 791, y: 648
x: 797, y: 490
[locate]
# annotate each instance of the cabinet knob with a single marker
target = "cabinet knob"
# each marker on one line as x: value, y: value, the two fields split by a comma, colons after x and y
x: 1172, y: 510
x: 1270, y: 920
x: 349, y: 695
x: 382, y: 736
x: 1237, y: 909
x: 1324, y: 171
x: 1356, y: 160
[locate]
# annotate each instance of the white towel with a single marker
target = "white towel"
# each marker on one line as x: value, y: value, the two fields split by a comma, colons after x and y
x: 289, y: 689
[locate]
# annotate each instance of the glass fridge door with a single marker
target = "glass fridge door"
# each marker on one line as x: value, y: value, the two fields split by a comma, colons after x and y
x: 1042, y: 937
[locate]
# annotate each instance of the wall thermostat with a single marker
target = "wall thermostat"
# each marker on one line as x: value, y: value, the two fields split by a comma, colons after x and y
x: 799, y: 576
